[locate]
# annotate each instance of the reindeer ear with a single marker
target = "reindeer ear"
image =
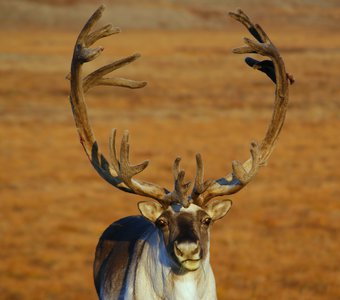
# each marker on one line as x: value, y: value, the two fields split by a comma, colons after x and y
x: 150, y: 210
x: 218, y: 208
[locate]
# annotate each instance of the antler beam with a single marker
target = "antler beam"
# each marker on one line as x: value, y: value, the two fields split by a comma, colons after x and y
x: 119, y: 173
x: 243, y: 173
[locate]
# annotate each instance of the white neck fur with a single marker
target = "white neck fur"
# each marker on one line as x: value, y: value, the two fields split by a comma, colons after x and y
x: 155, y: 280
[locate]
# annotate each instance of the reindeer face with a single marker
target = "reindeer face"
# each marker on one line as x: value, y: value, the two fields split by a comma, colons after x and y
x: 185, y: 231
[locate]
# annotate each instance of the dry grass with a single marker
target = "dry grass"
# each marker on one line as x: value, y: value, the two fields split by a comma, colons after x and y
x: 281, y: 239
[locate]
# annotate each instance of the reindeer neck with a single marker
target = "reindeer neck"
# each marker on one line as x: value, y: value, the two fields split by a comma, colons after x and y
x: 157, y: 277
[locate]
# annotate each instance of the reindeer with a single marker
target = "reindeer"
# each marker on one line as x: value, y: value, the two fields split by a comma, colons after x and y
x: 164, y: 253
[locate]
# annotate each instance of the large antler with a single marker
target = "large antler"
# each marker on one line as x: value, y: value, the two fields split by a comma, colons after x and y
x: 275, y: 69
x: 117, y: 172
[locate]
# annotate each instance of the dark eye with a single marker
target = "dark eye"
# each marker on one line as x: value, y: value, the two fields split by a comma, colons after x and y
x: 161, y: 223
x: 206, y: 221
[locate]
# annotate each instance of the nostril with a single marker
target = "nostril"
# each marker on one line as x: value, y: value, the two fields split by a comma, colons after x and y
x: 196, y: 249
x: 178, y: 250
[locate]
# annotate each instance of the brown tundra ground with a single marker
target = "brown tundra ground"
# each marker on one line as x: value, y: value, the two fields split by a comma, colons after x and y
x: 281, y: 239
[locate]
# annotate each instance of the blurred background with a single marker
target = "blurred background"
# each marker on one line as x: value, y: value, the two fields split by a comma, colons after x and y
x: 281, y: 240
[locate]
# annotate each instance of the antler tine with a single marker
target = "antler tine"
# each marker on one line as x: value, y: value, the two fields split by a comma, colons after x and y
x: 122, y: 166
x: 127, y: 170
x: 275, y: 69
x: 119, y: 173
x: 92, y: 21
x: 200, y: 185
x: 175, y: 168
x: 255, y: 30
x: 100, y: 33
x: 97, y: 77
x: 113, y: 153
x: 180, y: 192
x: 243, y: 175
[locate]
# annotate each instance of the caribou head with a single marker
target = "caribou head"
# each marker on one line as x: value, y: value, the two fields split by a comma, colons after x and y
x: 165, y: 253
x: 185, y: 230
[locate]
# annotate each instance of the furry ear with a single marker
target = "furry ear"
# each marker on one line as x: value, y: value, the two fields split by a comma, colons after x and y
x: 218, y: 208
x: 150, y: 210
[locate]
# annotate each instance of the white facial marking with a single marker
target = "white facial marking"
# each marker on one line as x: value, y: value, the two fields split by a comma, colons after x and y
x: 176, y: 208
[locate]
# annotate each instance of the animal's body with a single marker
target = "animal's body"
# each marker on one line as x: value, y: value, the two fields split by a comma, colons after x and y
x: 131, y: 263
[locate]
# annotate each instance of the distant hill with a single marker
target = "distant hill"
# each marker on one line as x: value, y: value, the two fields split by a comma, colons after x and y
x: 168, y: 14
